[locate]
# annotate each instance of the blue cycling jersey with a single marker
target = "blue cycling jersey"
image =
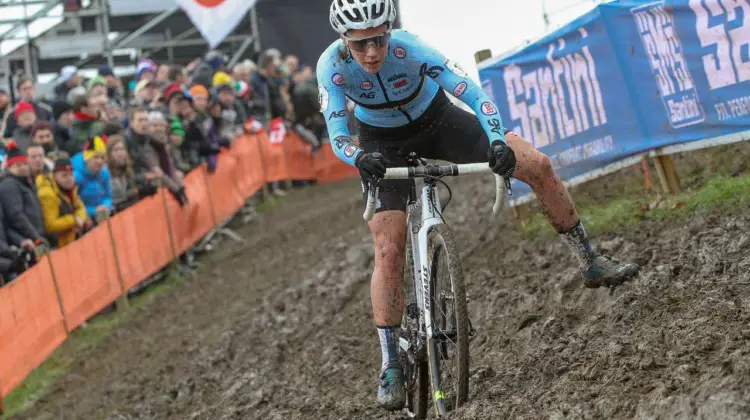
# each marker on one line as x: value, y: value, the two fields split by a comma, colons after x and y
x: 397, y: 94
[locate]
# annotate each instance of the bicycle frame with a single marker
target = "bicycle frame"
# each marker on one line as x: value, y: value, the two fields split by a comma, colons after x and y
x: 429, y: 217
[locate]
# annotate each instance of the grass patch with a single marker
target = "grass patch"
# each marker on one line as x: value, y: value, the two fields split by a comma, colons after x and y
x: 719, y: 193
x: 268, y: 204
x: 80, y: 342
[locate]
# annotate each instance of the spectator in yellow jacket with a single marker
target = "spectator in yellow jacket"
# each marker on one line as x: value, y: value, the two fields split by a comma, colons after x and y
x: 64, y: 212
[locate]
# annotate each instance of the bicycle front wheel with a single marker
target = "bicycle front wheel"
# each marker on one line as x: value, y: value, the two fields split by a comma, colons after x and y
x: 448, y: 350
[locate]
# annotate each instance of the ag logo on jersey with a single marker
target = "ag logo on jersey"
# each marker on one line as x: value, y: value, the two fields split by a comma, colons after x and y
x: 455, y: 68
x: 323, y: 98
x: 488, y: 108
x: 399, y: 52
x: 459, y: 89
x: 366, y: 85
x: 337, y: 79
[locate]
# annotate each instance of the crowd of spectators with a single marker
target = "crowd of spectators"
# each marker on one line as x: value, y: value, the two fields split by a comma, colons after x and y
x: 99, y: 145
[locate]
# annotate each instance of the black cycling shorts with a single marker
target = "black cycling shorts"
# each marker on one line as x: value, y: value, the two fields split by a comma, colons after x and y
x: 443, y: 132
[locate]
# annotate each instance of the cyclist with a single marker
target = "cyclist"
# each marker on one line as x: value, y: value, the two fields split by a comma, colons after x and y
x: 398, y: 84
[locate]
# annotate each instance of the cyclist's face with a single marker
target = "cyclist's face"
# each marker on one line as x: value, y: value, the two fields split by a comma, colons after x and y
x: 368, y: 46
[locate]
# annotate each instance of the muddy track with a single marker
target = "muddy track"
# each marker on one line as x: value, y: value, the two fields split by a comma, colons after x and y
x: 280, y: 328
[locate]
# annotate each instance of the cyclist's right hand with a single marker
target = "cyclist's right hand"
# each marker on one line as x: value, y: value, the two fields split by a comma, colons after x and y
x: 371, y: 165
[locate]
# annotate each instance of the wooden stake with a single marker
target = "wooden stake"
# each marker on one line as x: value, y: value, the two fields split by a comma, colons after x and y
x: 122, y: 301
x: 266, y: 193
x: 59, y: 296
x: 169, y: 224
x: 670, y: 182
x: 210, y: 196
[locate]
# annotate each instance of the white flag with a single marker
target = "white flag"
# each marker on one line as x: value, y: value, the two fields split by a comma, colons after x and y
x: 215, y: 19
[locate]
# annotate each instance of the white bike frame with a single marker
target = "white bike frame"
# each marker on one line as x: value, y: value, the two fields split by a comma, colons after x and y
x: 431, y: 216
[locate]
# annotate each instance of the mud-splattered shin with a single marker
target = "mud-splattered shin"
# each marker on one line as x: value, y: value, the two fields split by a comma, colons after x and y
x: 576, y: 239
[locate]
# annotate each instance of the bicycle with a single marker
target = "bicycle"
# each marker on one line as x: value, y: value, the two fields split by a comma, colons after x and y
x: 436, y: 317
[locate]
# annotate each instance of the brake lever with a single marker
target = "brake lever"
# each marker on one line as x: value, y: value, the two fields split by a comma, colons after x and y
x: 372, y: 199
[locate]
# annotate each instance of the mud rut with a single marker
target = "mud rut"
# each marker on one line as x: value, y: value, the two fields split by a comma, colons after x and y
x: 281, y: 328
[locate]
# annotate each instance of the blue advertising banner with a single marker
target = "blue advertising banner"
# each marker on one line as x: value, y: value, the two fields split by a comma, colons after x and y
x: 626, y: 78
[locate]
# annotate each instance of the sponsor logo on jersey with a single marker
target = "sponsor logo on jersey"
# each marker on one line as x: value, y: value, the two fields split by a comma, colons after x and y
x: 488, y: 108
x: 350, y: 150
x: 431, y: 71
x: 455, y: 68
x: 337, y: 114
x: 323, y: 98
x: 337, y: 79
x: 368, y: 95
x: 459, y: 89
x: 366, y: 85
x: 399, y: 52
x: 396, y: 77
x: 496, y: 126
x: 401, y: 83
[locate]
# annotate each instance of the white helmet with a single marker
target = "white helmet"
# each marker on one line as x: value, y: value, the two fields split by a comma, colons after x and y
x: 361, y: 14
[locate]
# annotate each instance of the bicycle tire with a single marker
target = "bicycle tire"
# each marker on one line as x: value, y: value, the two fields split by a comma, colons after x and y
x: 417, y: 394
x: 441, y: 244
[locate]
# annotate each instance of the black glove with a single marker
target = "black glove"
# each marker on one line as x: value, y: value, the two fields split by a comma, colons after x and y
x: 370, y: 165
x: 181, y: 197
x: 147, y: 190
x: 501, y: 158
x: 224, y: 142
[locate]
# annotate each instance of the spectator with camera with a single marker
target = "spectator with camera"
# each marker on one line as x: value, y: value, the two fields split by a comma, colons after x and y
x: 22, y: 211
x: 11, y: 262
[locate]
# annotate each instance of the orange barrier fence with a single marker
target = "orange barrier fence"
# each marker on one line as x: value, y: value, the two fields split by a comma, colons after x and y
x: 70, y: 285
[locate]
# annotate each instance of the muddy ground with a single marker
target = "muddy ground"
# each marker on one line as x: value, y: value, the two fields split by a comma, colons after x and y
x: 281, y: 328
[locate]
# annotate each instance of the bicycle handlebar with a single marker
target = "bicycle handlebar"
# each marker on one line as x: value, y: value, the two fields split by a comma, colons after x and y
x: 501, y: 183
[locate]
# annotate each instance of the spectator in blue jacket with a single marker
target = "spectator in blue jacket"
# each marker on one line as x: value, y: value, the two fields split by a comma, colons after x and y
x: 93, y: 177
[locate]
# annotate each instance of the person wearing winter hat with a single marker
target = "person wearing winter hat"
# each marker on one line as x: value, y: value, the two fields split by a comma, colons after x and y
x: 93, y: 178
x: 145, y: 70
x: 221, y: 78
x: 64, y: 213
x: 25, y: 115
x: 200, y: 97
x: 146, y: 94
x: 19, y: 201
x: 69, y: 78
x: 97, y: 86
x: 212, y: 62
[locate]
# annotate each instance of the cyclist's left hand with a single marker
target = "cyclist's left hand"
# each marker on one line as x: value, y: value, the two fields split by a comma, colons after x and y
x: 501, y: 158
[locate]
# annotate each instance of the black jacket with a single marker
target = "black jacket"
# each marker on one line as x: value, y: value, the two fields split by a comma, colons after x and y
x: 22, y: 210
